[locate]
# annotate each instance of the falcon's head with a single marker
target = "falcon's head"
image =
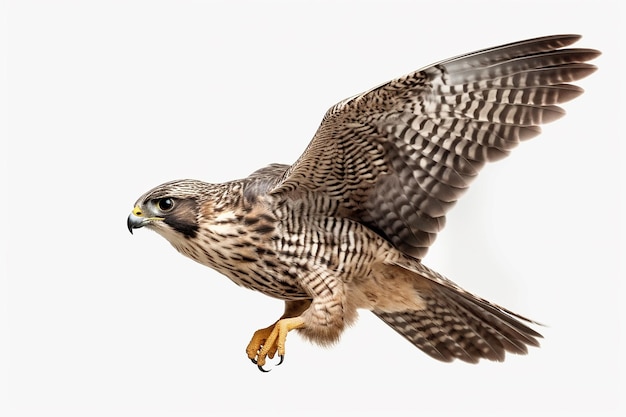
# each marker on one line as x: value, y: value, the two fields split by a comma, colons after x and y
x: 171, y: 209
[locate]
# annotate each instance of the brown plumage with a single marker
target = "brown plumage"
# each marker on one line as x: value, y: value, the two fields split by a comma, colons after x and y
x: 346, y: 226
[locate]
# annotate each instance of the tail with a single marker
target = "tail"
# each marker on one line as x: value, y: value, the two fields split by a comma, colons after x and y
x: 456, y: 324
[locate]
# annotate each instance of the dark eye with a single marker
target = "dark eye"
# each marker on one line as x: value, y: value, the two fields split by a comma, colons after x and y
x: 165, y: 204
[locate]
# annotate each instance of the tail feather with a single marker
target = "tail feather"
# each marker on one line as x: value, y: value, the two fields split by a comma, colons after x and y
x: 458, y: 325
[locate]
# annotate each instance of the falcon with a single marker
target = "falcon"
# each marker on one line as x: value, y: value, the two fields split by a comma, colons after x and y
x: 347, y: 225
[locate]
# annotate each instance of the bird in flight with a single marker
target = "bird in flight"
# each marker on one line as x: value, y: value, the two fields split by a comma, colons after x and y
x: 347, y: 225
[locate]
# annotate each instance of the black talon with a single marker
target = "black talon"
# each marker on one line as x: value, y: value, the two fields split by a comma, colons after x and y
x: 261, y: 368
x: 282, y: 358
x: 253, y: 361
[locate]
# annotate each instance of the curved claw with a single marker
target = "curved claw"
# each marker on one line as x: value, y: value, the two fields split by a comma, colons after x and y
x: 270, y: 341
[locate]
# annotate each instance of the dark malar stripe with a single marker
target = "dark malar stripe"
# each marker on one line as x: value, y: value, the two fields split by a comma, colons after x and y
x: 189, y: 230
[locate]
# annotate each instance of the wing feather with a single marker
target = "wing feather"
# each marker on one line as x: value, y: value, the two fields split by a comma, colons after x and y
x: 396, y: 158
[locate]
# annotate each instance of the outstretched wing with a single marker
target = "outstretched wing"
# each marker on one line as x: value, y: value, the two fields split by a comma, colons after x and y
x: 399, y: 156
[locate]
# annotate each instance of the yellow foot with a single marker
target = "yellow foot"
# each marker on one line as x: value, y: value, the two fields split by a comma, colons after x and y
x: 270, y: 340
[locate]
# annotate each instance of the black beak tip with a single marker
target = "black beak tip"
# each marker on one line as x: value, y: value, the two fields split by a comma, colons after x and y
x: 129, y: 223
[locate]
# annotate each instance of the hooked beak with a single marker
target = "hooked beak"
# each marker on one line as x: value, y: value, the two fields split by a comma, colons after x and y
x: 137, y: 219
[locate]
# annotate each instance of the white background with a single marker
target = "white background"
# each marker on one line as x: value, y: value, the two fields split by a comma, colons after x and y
x: 107, y: 99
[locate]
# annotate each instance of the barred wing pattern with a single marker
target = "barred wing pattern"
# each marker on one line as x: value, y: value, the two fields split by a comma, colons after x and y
x: 398, y: 157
